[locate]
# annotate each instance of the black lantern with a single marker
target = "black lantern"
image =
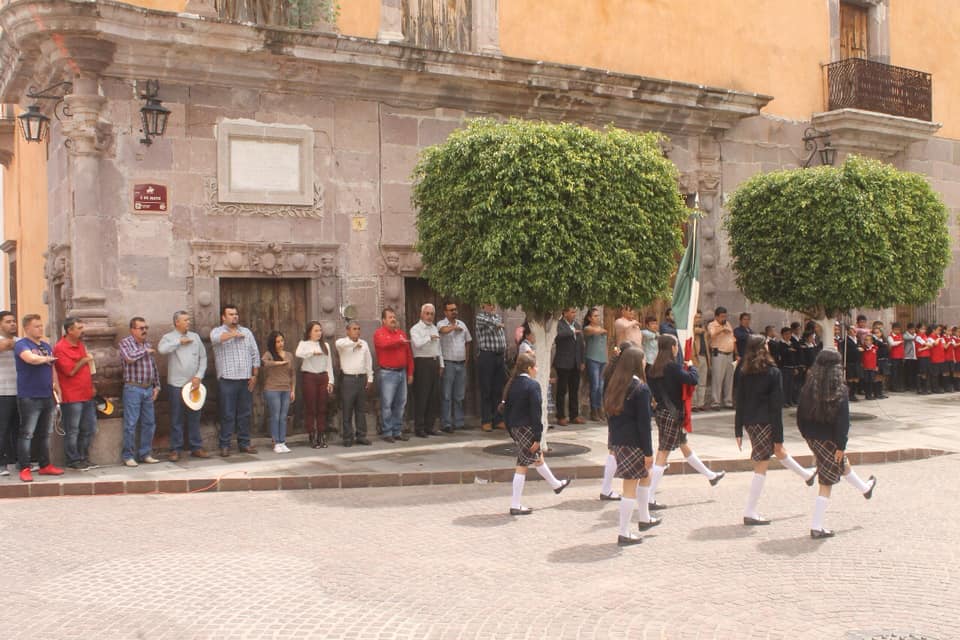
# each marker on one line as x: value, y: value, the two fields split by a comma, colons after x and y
x: 828, y: 155
x: 816, y: 141
x: 34, y: 124
x: 153, y: 115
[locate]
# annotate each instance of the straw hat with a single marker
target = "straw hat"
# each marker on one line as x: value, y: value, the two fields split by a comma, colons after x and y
x: 194, y: 399
x: 104, y: 406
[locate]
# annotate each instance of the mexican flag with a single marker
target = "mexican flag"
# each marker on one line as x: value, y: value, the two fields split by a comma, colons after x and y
x: 686, y: 297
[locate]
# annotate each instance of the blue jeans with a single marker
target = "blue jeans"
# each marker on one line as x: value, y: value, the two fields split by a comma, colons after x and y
x: 454, y: 388
x: 393, y: 399
x: 278, y: 404
x: 236, y: 405
x: 79, y: 425
x: 595, y: 375
x: 138, y: 407
x: 36, y: 419
x: 180, y: 413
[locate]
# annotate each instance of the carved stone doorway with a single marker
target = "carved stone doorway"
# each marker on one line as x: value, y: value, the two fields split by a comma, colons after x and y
x: 265, y: 305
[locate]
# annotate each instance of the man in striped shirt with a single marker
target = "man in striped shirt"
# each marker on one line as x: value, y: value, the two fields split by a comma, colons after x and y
x: 238, y: 363
x: 141, y: 385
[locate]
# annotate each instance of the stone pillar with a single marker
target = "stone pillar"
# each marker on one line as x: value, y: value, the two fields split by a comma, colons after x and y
x: 486, y: 27
x: 391, y: 21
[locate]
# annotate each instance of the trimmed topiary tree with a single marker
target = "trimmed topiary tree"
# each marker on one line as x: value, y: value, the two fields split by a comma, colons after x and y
x: 827, y: 240
x: 546, y: 216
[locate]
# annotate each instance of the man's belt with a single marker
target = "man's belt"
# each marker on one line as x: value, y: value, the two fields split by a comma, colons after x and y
x: 139, y: 384
x: 393, y: 368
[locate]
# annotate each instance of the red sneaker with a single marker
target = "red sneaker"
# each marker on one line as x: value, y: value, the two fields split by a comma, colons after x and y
x: 50, y: 470
x: 25, y: 475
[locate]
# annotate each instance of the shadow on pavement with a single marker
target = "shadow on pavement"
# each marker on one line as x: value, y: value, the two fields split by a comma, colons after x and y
x: 722, y: 532
x: 580, y: 505
x: 583, y: 553
x: 793, y: 547
x: 484, y: 520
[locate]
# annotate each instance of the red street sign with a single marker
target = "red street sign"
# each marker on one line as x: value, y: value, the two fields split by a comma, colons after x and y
x: 149, y: 197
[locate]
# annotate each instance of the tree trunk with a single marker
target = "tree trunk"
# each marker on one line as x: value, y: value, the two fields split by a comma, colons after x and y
x: 544, y: 329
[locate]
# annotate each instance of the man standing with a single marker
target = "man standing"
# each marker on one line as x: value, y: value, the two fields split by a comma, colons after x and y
x: 36, y: 386
x: 742, y: 333
x: 9, y: 418
x: 356, y: 365
x: 427, y: 369
x: 78, y: 409
x: 627, y: 328
x: 238, y: 363
x: 491, y: 375
x: 186, y: 365
x: 568, y: 361
x: 454, y: 337
x: 722, y: 345
x: 396, y: 372
x: 141, y: 386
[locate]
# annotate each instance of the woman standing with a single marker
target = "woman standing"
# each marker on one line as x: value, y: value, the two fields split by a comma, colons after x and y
x: 596, y: 357
x: 759, y: 411
x: 823, y: 416
x: 279, y: 388
x: 627, y: 403
x: 317, y: 368
x: 524, y: 419
x: 666, y: 379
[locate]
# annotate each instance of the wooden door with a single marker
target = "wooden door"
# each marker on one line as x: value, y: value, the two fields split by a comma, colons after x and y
x: 853, y: 31
x: 265, y: 305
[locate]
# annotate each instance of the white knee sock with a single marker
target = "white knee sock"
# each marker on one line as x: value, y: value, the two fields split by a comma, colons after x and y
x: 855, y: 480
x: 819, y: 510
x: 627, y: 505
x: 609, y: 468
x: 697, y: 464
x: 518, y: 481
x: 794, y: 466
x: 655, y: 474
x: 643, y: 505
x: 547, y: 475
x: 756, y: 488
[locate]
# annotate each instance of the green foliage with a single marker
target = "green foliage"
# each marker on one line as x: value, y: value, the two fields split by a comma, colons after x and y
x: 547, y: 216
x: 827, y: 240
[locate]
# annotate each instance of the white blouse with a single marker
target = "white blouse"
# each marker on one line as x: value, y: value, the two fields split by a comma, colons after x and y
x: 312, y: 363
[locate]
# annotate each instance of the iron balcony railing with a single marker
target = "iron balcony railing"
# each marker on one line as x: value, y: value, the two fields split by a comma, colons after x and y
x: 856, y: 83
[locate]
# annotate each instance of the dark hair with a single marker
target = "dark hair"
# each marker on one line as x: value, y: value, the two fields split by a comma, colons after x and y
x: 526, y: 331
x: 744, y: 315
x: 629, y: 364
x: 134, y: 320
x: 824, y: 389
x: 383, y: 314
x: 611, y: 366
x: 910, y: 325
x: 5, y: 313
x: 228, y: 305
x: 665, y: 344
x: 586, y: 317
x: 719, y: 310
x: 68, y: 323
x: 756, y: 358
x: 649, y: 319
x: 306, y: 335
x: 861, y: 317
x: 895, y: 325
x: 769, y: 327
x: 523, y: 364
x: 784, y: 330
x: 794, y: 325
x: 272, y: 345
x: 447, y: 303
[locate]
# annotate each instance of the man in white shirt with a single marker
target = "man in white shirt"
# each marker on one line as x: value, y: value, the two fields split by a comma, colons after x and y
x: 454, y: 337
x: 356, y: 366
x: 427, y: 369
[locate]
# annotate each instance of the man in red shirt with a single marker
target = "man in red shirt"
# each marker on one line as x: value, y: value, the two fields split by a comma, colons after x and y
x: 923, y: 344
x: 75, y: 372
x: 395, y: 363
x: 895, y: 341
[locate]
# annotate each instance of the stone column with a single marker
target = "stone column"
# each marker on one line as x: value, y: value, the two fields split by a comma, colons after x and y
x: 391, y: 21
x: 486, y: 27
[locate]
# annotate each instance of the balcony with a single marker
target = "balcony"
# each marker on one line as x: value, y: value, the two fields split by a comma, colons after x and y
x: 299, y: 14
x: 856, y: 83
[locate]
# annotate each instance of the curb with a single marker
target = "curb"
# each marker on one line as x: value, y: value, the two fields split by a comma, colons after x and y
x: 226, y: 482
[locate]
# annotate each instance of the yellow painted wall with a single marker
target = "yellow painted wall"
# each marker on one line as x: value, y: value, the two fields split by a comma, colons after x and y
x: 25, y: 220
x: 359, y: 18
x: 926, y: 36
x: 737, y: 44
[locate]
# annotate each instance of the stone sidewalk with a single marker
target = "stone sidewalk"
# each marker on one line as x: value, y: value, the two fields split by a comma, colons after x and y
x: 904, y: 427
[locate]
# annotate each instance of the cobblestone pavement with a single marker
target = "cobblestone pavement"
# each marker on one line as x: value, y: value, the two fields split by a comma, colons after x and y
x: 447, y: 562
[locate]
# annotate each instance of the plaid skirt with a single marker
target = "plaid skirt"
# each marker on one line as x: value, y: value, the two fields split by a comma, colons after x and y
x: 761, y: 439
x: 523, y: 438
x: 629, y: 462
x: 670, y: 430
x: 829, y: 470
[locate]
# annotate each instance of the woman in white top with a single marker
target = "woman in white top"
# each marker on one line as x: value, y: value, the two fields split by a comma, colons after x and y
x: 317, y: 368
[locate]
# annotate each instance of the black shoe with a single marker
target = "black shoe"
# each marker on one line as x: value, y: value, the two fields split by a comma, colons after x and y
x: 869, y: 492
x: 755, y: 522
x: 364, y: 441
x: 628, y: 541
x: 819, y: 534
x: 643, y: 526
x: 389, y: 439
x: 522, y: 511
x: 79, y: 465
x: 403, y: 437
x: 563, y: 485
x: 447, y: 429
x: 809, y: 481
x: 610, y: 496
x: 656, y: 506
x: 420, y: 434
x: 348, y: 443
x: 717, y: 478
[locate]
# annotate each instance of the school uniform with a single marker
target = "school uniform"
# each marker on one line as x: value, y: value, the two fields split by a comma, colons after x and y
x: 629, y: 433
x: 922, y: 345
x: 896, y: 345
x: 868, y: 367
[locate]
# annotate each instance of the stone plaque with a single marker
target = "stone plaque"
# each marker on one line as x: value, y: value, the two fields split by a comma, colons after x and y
x: 149, y: 197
